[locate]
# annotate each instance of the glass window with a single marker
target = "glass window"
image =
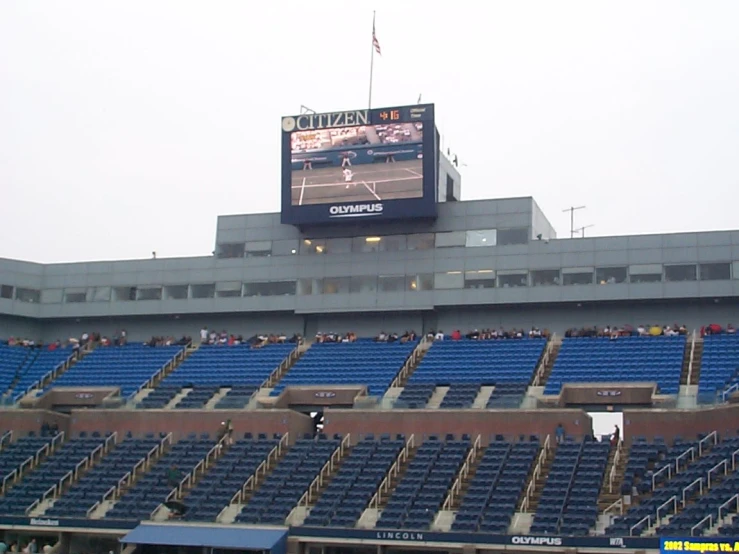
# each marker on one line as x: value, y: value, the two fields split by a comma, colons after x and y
x: 231, y: 250
x: 481, y: 238
x: 455, y: 238
x: 716, y: 272
x: 176, y: 292
x: 421, y: 282
x: 313, y: 246
x: 283, y: 288
x: 735, y: 271
x: 228, y: 289
x: 273, y: 288
x: 338, y: 246
x: 394, y: 243
x: 510, y: 280
x: 366, y: 244
x: 257, y: 288
x: 6, y: 291
x: 545, y: 277
x: 680, y: 273
x: 449, y: 280
x: 512, y: 236
x: 98, y: 294
x: 392, y: 283
x: 150, y: 293
x: 479, y: 279
x: 645, y: 273
x: 336, y: 285
x: 203, y: 291
x: 307, y: 287
x: 52, y: 296
x: 363, y: 283
x: 32, y: 296
x: 610, y: 275
x: 258, y: 249
x: 284, y: 247
x: 124, y: 294
x: 577, y: 278
x: 423, y: 241
x: 75, y: 295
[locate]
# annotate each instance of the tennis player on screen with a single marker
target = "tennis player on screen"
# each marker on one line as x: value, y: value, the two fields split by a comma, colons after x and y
x: 348, y: 176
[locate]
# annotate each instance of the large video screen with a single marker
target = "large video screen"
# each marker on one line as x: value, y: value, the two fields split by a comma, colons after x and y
x: 367, y: 164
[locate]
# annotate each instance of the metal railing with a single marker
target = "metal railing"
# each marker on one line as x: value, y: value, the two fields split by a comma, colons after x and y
x: 418, y: 352
x: 545, y: 359
x: 314, y: 488
x: 6, y: 439
x: 722, y: 464
x: 141, y: 466
x: 647, y: 519
x: 731, y: 505
x: 32, y: 461
x: 692, y: 357
x: 728, y: 392
x: 163, y: 371
x: 253, y: 481
x: 50, y: 376
x: 462, y: 475
x: 617, y: 505
x: 616, y: 458
x: 668, y: 468
x: 689, y: 488
x: 697, y: 525
x: 710, y: 437
x: 384, y: 487
x: 531, y: 487
x: 285, y: 364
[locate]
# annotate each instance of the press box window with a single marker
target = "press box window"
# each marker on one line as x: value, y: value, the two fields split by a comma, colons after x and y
x: 336, y: 285
x: 421, y: 282
x: 258, y: 249
x: 716, y: 272
x: 479, y: 279
x: 363, y: 283
x: 449, y: 280
x: 513, y: 279
x: 124, y: 294
x: 150, y: 293
x: 32, y: 296
x: 6, y: 291
x: 681, y: 273
x: 478, y: 239
x: 75, y: 295
x: 52, y: 296
x: 447, y: 240
x: 366, y: 244
x: 610, y: 275
x: 313, y: 246
x: 203, y: 291
x: 233, y: 250
x: 423, y: 241
x: 391, y: 283
x: 645, y: 273
x: 228, y: 289
x: 512, y: 236
x: 545, y: 278
x: 175, y: 292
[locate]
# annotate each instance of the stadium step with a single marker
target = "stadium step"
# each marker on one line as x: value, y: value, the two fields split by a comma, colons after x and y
x: 411, y: 363
x: 481, y: 401
x: 241, y: 498
x: 537, y: 482
x: 216, y: 398
x: 320, y: 483
x: 695, y: 374
x: 31, y: 354
x: 177, y: 397
x: 613, y: 477
x: 549, y: 357
x: 394, y: 479
x: 286, y: 365
x: 437, y: 397
x: 443, y: 521
x: 460, y: 488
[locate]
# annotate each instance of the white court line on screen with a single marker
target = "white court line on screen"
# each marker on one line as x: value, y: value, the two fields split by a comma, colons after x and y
x: 413, y: 172
x: 372, y: 192
x: 302, y: 192
x: 341, y: 184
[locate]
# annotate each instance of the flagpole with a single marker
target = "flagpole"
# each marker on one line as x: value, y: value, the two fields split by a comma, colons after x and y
x: 372, y: 61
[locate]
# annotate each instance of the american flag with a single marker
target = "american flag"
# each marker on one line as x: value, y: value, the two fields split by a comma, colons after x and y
x: 375, y: 42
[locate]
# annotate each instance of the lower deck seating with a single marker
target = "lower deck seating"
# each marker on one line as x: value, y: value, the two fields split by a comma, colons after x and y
x: 152, y: 488
x: 350, y: 491
x: 32, y: 486
x: 89, y: 490
x: 217, y: 487
x: 277, y: 496
x: 16, y: 453
x: 237, y: 398
x: 422, y: 490
x: 719, y: 365
x: 493, y: 494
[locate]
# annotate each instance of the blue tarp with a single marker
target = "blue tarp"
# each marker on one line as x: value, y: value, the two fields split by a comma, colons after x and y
x: 242, y: 538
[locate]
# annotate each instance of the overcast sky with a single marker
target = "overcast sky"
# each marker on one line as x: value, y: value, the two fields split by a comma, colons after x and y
x: 127, y: 127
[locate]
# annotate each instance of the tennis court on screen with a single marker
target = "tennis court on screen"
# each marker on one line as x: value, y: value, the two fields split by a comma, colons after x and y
x: 370, y: 182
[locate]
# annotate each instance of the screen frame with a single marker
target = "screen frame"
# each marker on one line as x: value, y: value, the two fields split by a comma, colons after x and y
x: 394, y: 209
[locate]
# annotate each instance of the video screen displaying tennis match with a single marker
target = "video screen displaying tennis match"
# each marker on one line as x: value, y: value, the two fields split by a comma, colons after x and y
x: 366, y: 163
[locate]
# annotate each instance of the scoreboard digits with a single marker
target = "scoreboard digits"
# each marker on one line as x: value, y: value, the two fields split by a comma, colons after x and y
x: 390, y: 115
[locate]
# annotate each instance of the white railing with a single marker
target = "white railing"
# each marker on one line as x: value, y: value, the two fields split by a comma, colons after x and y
x: 689, y: 488
x: 616, y: 458
x: 697, y: 525
x: 5, y: 439
x: 384, y: 487
x: 617, y: 505
x: 722, y: 464
x: 535, y: 475
x: 669, y: 503
x: 286, y: 363
x: 326, y: 470
x: 141, y: 466
x: 162, y: 371
x: 692, y: 357
x: 418, y: 352
x: 253, y: 481
x: 462, y: 475
x: 647, y: 519
x: 711, y: 437
x: 545, y: 359
x: 730, y: 506
x: 734, y: 459
x: 728, y: 392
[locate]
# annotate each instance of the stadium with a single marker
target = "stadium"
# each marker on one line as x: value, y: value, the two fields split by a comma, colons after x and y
x: 404, y: 384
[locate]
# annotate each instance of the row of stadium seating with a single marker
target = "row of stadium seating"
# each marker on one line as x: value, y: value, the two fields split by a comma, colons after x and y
x: 701, y: 474
x: 507, y: 365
